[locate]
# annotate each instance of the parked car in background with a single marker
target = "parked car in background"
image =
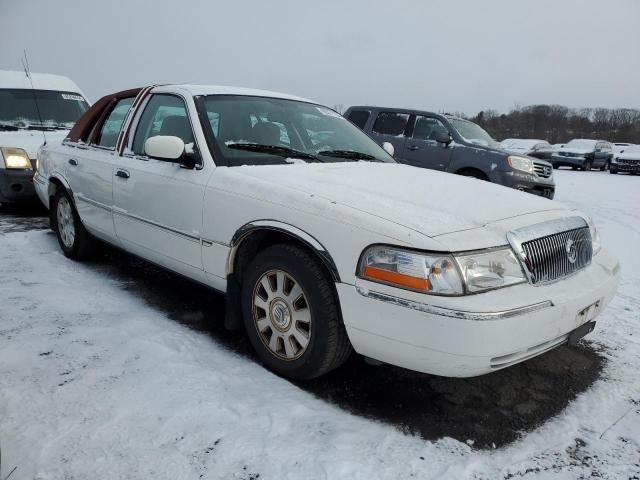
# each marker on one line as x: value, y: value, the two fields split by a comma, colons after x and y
x: 324, y: 247
x: 32, y: 112
x: 532, y: 148
x: 628, y: 160
x: 583, y: 154
x: 452, y: 144
x: 557, y: 146
x: 617, y: 148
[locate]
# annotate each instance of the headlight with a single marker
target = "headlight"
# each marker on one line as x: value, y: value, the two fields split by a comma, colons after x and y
x: 520, y: 163
x: 15, y: 158
x: 596, y: 245
x: 489, y: 269
x: 427, y: 273
x: 444, y: 274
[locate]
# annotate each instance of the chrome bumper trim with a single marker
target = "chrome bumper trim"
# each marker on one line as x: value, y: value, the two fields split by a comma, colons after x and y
x: 448, y: 312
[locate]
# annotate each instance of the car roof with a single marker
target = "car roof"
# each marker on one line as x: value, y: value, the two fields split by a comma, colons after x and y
x: 17, y: 79
x: 197, y: 90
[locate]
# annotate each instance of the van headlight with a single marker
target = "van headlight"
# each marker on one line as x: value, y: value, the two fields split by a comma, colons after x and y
x: 522, y: 164
x: 441, y: 274
x: 15, y: 158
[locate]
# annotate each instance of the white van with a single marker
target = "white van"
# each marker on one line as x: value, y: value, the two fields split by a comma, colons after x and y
x: 32, y: 112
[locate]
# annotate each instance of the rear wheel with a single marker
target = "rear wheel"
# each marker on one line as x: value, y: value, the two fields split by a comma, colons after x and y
x: 74, y: 240
x: 291, y: 314
x: 604, y: 167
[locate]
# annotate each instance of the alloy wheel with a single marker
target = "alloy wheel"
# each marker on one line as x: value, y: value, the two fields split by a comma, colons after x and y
x: 66, y: 225
x: 281, y: 315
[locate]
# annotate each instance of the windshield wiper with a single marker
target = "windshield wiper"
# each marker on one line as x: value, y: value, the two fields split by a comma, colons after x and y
x: 350, y: 154
x: 274, y: 150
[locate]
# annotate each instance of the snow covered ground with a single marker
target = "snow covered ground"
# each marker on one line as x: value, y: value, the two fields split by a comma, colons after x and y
x: 97, y: 384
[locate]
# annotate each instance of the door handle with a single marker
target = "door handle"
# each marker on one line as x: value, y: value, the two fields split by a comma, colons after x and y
x: 122, y: 174
x: 413, y: 148
x: 73, y: 162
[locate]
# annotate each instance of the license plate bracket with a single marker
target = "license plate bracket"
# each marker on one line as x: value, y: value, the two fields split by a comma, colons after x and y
x: 581, y: 331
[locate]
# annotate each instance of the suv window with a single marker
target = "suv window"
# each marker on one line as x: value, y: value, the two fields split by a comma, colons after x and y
x: 427, y: 128
x: 164, y: 115
x: 359, y: 118
x: 110, y: 130
x: 391, y: 123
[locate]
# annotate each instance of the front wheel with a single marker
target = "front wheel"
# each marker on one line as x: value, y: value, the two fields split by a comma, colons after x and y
x: 586, y: 166
x: 74, y: 240
x: 613, y: 171
x: 291, y: 314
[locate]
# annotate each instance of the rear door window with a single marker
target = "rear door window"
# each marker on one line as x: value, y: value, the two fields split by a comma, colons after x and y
x: 359, y: 118
x: 108, y: 135
x: 391, y: 123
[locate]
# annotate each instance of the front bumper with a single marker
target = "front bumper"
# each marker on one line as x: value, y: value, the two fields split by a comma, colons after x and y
x: 562, y: 161
x: 17, y: 186
x: 622, y: 166
x: 474, y: 334
x: 544, y: 187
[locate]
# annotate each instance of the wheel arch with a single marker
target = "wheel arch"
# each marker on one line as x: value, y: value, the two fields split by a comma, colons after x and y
x: 253, y: 237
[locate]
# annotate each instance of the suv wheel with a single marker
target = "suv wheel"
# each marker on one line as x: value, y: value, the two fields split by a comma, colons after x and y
x: 291, y: 314
x: 74, y: 240
x: 586, y: 166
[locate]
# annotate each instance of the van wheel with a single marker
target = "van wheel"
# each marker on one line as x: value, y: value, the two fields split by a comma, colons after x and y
x: 291, y: 314
x: 74, y: 240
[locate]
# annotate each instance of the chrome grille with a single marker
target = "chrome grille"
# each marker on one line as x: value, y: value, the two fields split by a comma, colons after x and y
x: 552, y: 250
x: 556, y: 256
x: 542, y: 170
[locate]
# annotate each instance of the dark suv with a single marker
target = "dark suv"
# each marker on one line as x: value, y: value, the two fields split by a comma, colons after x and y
x: 452, y: 144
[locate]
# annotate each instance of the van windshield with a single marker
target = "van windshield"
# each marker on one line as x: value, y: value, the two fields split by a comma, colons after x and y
x: 57, y: 110
x: 251, y: 130
x: 473, y: 133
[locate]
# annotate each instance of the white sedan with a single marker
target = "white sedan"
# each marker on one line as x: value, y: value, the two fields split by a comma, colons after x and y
x: 322, y: 243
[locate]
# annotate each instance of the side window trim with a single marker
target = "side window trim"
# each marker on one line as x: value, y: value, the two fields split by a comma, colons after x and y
x: 135, y: 123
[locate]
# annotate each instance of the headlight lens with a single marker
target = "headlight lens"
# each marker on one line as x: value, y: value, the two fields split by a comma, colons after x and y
x: 434, y: 274
x: 596, y: 245
x: 486, y: 270
x: 522, y: 164
x: 15, y: 158
x: 444, y: 274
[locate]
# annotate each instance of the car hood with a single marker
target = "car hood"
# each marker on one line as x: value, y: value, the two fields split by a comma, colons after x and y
x: 629, y: 156
x: 426, y: 201
x: 30, y: 140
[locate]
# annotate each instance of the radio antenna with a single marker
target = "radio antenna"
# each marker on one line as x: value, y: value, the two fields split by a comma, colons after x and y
x: 27, y: 71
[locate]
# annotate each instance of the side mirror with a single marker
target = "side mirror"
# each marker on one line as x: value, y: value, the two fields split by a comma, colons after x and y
x: 443, y: 137
x: 164, y: 147
x: 388, y: 147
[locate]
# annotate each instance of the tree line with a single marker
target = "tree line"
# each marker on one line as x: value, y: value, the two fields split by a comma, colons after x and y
x: 559, y: 124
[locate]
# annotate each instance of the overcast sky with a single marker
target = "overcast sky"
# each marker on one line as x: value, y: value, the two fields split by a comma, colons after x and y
x: 450, y: 55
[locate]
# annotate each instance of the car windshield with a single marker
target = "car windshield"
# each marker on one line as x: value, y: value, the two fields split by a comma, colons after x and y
x: 249, y: 130
x: 40, y: 109
x: 584, y: 144
x: 473, y: 133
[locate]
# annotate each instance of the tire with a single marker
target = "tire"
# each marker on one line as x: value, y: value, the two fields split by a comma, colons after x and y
x: 613, y: 171
x: 265, y: 282
x: 574, y: 168
x: 604, y: 167
x: 587, y: 165
x: 555, y: 166
x: 74, y: 240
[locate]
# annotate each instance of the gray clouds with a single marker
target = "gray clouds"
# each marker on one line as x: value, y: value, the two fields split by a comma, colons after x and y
x: 455, y: 56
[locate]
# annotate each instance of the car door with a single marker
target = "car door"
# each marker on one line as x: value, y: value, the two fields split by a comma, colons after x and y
x: 421, y: 148
x: 157, y: 204
x: 91, y: 170
x: 390, y: 127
